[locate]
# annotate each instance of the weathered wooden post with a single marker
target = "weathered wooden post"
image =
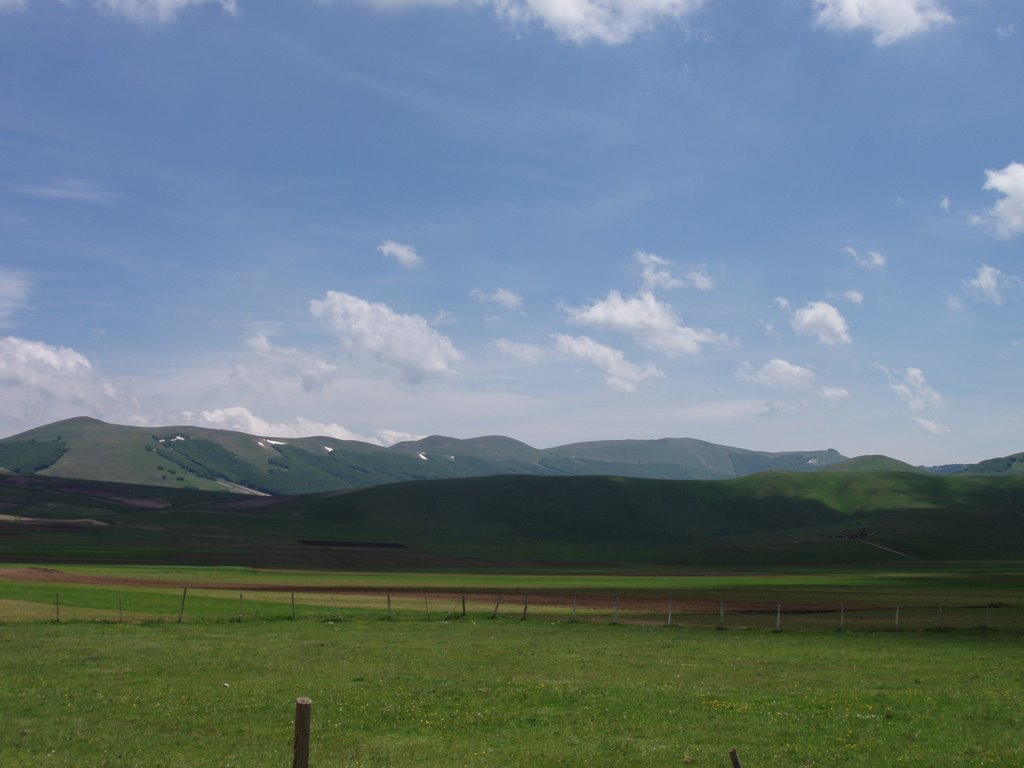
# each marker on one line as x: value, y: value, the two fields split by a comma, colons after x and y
x: 721, y: 614
x: 426, y: 604
x: 120, y: 611
x: 668, y: 622
x: 526, y: 606
x: 572, y: 618
x: 842, y: 616
x: 497, y: 605
x: 615, y: 618
x: 778, y: 618
x: 303, y: 718
x: 58, y: 607
x: 181, y: 611
x: 897, y: 617
x: 293, y: 606
x: 389, y: 606
x: 240, y: 607
x: 463, y: 606
x: 735, y: 758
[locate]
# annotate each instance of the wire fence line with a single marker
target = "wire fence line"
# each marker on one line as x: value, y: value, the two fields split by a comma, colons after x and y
x: 217, y: 605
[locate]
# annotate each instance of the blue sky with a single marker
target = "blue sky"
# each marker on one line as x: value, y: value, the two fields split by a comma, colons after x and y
x: 788, y: 224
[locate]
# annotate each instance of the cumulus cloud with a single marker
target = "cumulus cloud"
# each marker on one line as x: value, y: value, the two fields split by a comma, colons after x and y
x: 14, y: 290
x: 869, y: 260
x: 55, y: 373
x: 657, y: 274
x: 241, y: 419
x: 523, y: 353
x: 620, y: 374
x: 404, y: 254
x: 314, y: 373
x: 777, y: 373
x: 931, y: 427
x: 912, y: 388
x: 503, y: 297
x: 607, y: 21
x: 991, y: 283
x: 889, y: 20
x: 651, y: 322
x: 373, y: 333
x: 1007, y: 215
x: 854, y: 297
x: 819, y: 320
x: 833, y: 394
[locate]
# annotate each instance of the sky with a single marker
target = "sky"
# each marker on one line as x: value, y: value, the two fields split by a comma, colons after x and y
x: 778, y: 225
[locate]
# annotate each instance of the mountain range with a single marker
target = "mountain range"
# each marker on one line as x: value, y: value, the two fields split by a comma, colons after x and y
x: 211, y: 459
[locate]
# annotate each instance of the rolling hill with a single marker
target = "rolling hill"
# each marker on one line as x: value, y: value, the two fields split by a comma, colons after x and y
x: 210, y: 459
x: 507, y: 521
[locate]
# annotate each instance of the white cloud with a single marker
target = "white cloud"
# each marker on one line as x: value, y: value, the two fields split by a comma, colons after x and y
x: 620, y: 374
x: 1006, y: 31
x: 833, y: 394
x: 501, y: 296
x: 854, y: 297
x: 777, y: 373
x: 651, y: 322
x: 912, y: 388
x: 990, y: 283
x: 608, y: 21
x: 77, y: 190
x: 870, y: 260
x: 315, y: 374
x: 523, y: 353
x: 889, y: 20
x: 55, y: 373
x: 404, y: 254
x: 931, y: 427
x: 241, y: 419
x: 374, y: 333
x: 821, y: 320
x: 656, y: 274
x: 14, y: 289
x: 945, y: 203
x: 1008, y: 213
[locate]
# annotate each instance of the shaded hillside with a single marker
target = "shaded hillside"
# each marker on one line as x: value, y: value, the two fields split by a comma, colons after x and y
x: 211, y: 459
x: 524, y: 521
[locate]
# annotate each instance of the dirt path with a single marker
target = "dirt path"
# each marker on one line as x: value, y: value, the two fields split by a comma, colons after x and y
x: 556, y: 598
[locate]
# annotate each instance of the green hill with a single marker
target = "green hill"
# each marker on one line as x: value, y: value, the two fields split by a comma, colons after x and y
x: 1005, y: 465
x: 872, y: 463
x: 212, y: 459
x: 526, y: 521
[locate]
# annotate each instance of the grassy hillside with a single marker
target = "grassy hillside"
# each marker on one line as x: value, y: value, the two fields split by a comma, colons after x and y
x: 1004, y: 465
x: 524, y: 521
x: 873, y: 463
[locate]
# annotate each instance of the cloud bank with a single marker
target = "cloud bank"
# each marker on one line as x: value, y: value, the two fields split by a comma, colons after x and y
x: 889, y: 20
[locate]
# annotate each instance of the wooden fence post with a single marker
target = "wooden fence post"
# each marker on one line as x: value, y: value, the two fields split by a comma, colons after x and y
x: 303, y: 717
x: 721, y: 614
x: 389, y: 606
x: 58, y: 607
x: 181, y: 611
x: 668, y: 623
x: 778, y: 618
x: 120, y: 611
x: 426, y: 604
x: 572, y: 618
x: 615, y: 618
x: 735, y: 758
x: 293, y: 606
x: 526, y: 606
x: 463, y: 606
x: 897, y: 617
x: 842, y: 616
x: 240, y: 614
x: 497, y: 605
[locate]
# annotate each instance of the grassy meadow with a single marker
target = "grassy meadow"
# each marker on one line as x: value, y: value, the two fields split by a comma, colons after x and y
x: 475, y: 691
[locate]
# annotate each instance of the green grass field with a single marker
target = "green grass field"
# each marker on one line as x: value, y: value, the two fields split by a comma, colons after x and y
x: 475, y: 691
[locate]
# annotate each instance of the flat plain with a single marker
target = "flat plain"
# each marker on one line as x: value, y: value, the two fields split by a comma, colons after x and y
x: 118, y: 681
